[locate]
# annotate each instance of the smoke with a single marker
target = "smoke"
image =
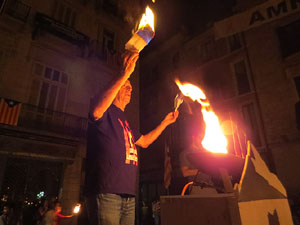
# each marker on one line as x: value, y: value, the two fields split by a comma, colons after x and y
x: 132, y: 10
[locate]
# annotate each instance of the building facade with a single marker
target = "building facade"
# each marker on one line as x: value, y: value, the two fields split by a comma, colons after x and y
x: 54, y: 56
x: 248, y: 66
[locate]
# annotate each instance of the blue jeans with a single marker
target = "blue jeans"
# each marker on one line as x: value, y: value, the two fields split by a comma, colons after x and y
x: 110, y: 209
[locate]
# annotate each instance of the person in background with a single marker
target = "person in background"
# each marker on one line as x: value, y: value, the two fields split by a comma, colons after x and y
x: 5, y: 217
x: 156, y: 212
x: 41, y: 211
x: 143, y: 212
x: 202, y: 182
x: 54, y: 216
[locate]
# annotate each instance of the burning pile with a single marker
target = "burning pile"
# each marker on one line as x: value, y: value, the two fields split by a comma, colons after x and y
x: 214, y: 139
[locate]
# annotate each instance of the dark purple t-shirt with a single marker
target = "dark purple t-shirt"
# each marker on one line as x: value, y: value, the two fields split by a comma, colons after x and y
x: 112, y: 158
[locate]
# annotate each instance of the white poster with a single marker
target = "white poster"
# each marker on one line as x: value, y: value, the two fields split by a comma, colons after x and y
x: 264, y: 13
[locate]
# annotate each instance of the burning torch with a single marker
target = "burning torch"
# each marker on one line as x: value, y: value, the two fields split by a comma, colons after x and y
x: 77, y: 208
x: 144, y: 34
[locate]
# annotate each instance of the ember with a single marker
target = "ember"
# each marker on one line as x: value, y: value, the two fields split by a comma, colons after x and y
x: 214, y: 139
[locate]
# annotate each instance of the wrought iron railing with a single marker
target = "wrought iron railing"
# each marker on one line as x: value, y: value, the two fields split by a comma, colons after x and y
x: 61, y: 30
x: 46, y: 120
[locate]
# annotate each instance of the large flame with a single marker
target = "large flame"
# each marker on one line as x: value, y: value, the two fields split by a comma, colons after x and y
x: 147, y: 19
x: 214, y: 139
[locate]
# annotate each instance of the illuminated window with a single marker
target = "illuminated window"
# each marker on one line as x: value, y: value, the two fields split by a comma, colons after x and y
x: 48, y: 88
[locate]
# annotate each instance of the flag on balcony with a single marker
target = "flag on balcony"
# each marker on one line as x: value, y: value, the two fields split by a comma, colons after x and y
x: 168, y: 167
x: 9, y: 111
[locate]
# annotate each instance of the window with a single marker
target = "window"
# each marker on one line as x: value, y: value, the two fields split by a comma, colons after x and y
x: 108, y: 39
x: 17, y: 9
x: 48, y: 88
x: 297, y: 83
x: 289, y: 37
x: 234, y: 42
x: 64, y: 13
x: 241, y: 75
x: 106, y: 44
x: 208, y: 50
x: 251, y: 123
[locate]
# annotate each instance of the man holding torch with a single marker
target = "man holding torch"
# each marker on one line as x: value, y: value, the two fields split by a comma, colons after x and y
x: 112, y: 157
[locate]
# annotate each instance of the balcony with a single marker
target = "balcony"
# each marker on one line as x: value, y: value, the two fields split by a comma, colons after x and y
x: 32, y: 117
x: 48, y: 24
x: 18, y: 10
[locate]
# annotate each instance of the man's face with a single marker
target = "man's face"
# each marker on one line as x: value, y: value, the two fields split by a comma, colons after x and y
x: 58, y: 208
x: 124, y: 94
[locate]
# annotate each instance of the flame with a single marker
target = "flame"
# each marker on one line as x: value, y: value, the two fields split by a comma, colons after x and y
x: 76, y: 208
x: 147, y: 19
x: 214, y: 139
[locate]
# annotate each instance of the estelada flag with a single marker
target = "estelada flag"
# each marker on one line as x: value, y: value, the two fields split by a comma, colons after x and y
x: 9, y: 111
x: 168, y: 167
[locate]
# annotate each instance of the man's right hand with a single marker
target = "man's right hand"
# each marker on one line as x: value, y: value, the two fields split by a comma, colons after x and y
x: 129, y: 61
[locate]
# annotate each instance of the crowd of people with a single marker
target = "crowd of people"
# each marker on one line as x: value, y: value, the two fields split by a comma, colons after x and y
x: 45, y: 212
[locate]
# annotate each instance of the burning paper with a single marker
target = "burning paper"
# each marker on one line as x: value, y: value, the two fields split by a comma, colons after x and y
x: 214, y: 139
x: 178, y: 101
x: 77, y: 208
x: 144, y: 34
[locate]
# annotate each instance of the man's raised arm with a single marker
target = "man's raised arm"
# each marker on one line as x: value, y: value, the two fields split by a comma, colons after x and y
x: 104, y: 98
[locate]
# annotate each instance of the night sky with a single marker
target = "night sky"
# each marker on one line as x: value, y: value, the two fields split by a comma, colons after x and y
x: 189, y: 16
